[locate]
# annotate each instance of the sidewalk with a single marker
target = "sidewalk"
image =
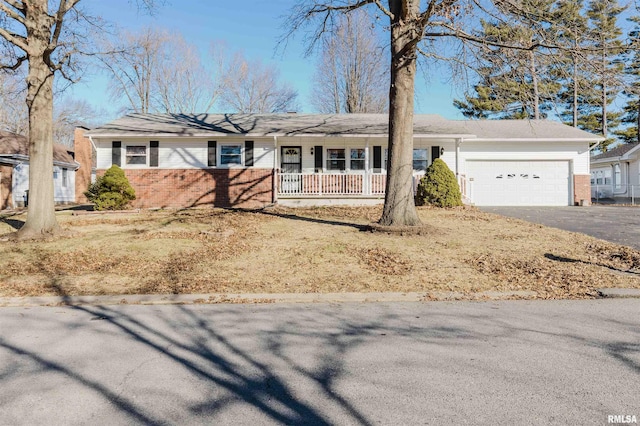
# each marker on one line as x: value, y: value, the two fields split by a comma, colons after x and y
x: 178, y: 299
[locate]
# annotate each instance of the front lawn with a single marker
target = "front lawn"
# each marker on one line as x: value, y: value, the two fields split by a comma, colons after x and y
x: 309, y: 250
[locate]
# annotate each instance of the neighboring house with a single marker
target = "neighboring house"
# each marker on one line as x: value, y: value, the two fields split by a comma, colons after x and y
x: 14, y: 172
x: 249, y: 160
x: 615, y: 174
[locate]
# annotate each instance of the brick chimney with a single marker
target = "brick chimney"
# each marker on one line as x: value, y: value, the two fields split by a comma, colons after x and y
x: 83, y: 155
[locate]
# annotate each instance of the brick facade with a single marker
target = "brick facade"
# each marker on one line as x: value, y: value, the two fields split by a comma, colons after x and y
x: 248, y: 187
x: 83, y: 155
x: 581, y: 189
x: 5, y: 187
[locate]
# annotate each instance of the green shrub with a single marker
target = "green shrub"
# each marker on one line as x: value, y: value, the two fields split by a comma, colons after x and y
x: 111, y: 191
x: 439, y: 187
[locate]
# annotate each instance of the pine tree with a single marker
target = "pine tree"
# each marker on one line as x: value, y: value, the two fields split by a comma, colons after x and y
x: 606, y: 67
x: 513, y: 83
x: 569, y: 26
x: 631, y: 109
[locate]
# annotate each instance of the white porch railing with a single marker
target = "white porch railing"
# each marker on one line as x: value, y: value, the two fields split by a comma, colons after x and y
x: 347, y: 184
x: 335, y: 184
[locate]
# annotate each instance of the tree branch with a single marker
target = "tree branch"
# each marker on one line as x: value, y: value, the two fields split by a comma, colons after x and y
x: 11, y: 12
x: 19, y: 62
x: 15, y: 39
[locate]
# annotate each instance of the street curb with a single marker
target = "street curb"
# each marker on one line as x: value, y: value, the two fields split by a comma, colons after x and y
x: 254, y: 298
x: 619, y: 293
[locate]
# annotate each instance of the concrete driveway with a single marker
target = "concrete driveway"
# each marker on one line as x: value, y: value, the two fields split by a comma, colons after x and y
x: 619, y: 225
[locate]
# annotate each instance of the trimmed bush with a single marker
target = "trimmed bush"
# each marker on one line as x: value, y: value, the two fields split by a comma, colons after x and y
x: 111, y: 191
x: 439, y: 187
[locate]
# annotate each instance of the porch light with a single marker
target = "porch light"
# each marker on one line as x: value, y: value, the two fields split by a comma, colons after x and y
x: 441, y: 150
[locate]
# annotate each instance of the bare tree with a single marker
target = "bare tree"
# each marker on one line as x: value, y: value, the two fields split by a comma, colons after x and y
x: 352, y: 74
x: 67, y: 112
x: 49, y: 41
x: 253, y: 87
x: 14, y: 116
x: 414, y: 26
x: 154, y: 70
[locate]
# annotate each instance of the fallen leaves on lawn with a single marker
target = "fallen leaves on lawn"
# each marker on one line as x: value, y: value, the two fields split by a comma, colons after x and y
x: 383, y: 261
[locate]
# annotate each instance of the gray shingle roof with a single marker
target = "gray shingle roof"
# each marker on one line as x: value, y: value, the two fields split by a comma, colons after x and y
x: 618, y: 151
x: 213, y: 125
x: 14, y: 144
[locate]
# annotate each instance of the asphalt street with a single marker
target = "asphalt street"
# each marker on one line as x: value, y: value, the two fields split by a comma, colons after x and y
x: 439, y: 363
x: 618, y: 224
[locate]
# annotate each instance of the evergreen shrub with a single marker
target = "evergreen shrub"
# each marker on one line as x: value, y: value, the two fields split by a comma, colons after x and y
x: 112, y: 191
x: 439, y: 187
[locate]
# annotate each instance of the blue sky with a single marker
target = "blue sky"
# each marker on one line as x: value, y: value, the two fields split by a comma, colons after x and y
x: 253, y: 26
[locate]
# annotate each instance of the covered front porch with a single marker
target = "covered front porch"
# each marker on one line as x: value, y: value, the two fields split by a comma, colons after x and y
x: 367, y: 187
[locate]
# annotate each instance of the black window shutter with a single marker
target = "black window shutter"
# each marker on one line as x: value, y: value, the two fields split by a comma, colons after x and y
x: 153, y: 153
x: 211, y: 153
x: 116, y: 154
x: 248, y: 153
x: 317, y: 152
x: 377, y: 159
x: 435, y: 152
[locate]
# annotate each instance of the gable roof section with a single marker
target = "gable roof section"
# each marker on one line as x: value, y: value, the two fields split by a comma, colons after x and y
x: 527, y: 129
x: 17, y: 147
x: 269, y: 125
x: 617, y: 152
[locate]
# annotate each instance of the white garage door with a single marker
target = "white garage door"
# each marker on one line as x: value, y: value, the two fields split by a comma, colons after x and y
x: 519, y: 183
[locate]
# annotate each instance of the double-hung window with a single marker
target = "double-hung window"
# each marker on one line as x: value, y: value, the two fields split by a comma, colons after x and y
x: 136, y: 155
x: 420, y: 159
x: 357, y: 159
x: 336, y: 159
x: 65, y: 178
x: 230, y: 155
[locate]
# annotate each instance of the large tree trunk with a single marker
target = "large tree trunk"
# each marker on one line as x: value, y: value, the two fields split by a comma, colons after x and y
x: 399, y: 205
x: 41, y: 219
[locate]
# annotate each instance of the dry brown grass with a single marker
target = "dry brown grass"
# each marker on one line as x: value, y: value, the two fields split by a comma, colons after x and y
x: 310, y: 250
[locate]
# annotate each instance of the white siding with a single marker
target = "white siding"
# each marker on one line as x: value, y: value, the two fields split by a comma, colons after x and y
x: 64, y: 194
x: 308, y: 159
x: 103, y: 154
x: 184, y: 153
x: 576, y: 153
x: 181, y: 155
x: 20, y: 185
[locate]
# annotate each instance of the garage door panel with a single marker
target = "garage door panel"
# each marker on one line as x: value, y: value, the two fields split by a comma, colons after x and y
x: 519, y: 183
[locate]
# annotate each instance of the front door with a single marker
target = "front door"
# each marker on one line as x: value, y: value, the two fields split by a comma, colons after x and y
x: 291, y: 167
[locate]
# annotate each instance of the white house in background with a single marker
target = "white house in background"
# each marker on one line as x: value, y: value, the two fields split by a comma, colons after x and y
x: 615, y: 174
x: 177, y: 160
x: 14, y: 172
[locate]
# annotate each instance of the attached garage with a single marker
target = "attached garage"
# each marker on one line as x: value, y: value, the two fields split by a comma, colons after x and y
x: 520, y: 183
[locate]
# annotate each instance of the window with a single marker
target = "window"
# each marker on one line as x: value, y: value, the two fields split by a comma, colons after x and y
x: 357, y: 159
x: 65, y: 178
x: 335, y: 159
x: 136, y: 155
x: 420, y: 159
x: 607, y: 176
x: 230, y: 155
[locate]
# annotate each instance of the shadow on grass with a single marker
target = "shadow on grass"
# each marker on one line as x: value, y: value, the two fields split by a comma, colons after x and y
x: 601, y: 265
x: 14, y: 223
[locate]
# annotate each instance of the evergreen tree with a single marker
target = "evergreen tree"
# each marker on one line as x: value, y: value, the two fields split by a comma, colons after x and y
x: 631, y: 110
x: 569, y: 27
x: 606, y: 68
x: 513, y: 83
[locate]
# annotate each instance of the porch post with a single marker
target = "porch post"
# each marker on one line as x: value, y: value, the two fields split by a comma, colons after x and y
x: 276, y: 176
x: 366, y: 181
